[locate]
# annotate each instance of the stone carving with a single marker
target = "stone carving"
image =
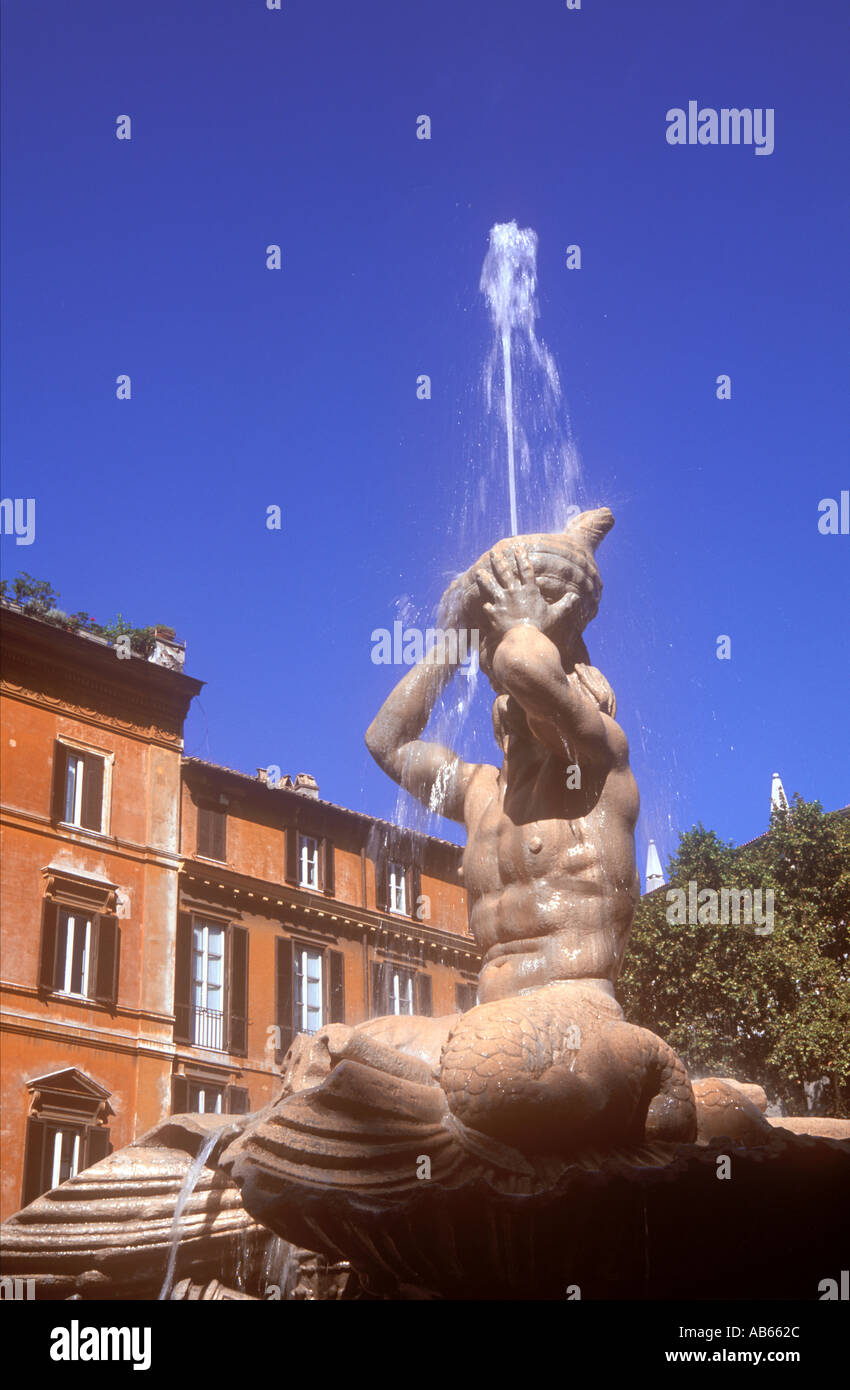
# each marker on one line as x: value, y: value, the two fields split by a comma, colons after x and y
x: 107, y: 1233
x: 545, y: 1061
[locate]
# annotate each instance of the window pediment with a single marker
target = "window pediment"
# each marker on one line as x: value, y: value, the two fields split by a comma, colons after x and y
x: 78, y: 890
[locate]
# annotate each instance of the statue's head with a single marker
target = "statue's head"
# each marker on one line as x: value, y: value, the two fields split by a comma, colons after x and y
x: 563, y: 562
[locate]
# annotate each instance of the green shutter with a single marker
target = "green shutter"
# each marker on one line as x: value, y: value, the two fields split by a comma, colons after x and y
x: 381, y: 879
x: 424, y: 1001
x: 97, y: 1144
x: 380, y: 988
x: 283, y: 995
x: 328, y: 874
x: 291, y: 854
x: 179, y: 1095
x: 204, y: 839
x: 183, y: 979
x: 219, y: 826
x: 465, y: 997
x: 107, y: 950
x: 49, y: 938
x: 414, y: 882
x: 237, y: 1100
x: 33, y: 1185
x: 336, y: 987
x: 92, y: 808
x: 238, y: 974
x: 60, y: 765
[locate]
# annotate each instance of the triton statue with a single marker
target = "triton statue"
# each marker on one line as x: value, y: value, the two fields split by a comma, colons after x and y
x: 545, y: 1060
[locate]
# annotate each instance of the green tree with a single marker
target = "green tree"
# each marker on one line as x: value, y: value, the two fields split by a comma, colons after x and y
x: 769, y: 1008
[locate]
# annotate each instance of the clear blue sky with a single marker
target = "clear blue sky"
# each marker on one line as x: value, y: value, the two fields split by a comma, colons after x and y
x: 252, y: 387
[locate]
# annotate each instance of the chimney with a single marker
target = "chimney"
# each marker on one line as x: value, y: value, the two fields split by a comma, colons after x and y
x: 307, y: 785
x: 167, y: 651
x: 271, y: 776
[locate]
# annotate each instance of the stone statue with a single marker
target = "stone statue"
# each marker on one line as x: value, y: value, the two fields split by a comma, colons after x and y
x: 546, y: 1059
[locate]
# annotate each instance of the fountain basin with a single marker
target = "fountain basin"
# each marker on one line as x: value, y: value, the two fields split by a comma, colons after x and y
x: 107, y: 1233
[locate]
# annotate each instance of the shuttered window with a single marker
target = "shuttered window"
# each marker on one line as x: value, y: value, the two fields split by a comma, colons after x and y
x: 401, y: 991
x: 308, y: 990
x: 212, y: 833
x: 56, y: 1151
x: 79, y: 954
x: 397, y: 886
x: 309, y: 861
x: 398, y: 990
x: 211, y: 985
x: 208, y: 985
x: 199, y: 1095
x: 78, y: 787
x: 204, y: 1098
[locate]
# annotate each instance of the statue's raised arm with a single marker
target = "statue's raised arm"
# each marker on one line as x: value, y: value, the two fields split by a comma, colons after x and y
x: 435, y: 775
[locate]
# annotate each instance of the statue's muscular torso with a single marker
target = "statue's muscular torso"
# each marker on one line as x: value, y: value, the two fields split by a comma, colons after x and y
x: 549, y: 870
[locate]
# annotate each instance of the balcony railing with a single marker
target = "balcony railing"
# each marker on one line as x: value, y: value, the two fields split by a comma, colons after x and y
x: 208, y: 1029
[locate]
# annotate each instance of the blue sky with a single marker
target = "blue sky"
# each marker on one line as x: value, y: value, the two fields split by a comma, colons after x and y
x: 298, y: 388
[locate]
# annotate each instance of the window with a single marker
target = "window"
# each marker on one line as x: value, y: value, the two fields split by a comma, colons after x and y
x: 80, y: 950
x: 397, y: 901
x: 401, y: 991
x: 397, y: 881
x: 195, y: 1093
x: 211, y: 984
x: 204, y: 1099
x: 212, y: 833
x: 63, y: 1152
x: 466, y: 997
x: 308, y: 862
x: 78, y: 792
x: 74, y: 954
x: 208, y: 985
x: 308, y: 991
x: 67, y: 1130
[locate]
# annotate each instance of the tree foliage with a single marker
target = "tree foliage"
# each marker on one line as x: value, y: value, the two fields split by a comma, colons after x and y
x: 769, y: 1008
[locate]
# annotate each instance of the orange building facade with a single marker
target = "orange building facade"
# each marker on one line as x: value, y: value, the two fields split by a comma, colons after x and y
x: 169, y: 925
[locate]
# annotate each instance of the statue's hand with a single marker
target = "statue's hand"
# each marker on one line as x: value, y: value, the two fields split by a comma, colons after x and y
x: 511, y: 595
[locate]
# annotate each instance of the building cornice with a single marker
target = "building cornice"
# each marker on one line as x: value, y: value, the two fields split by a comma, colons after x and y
x: 83, y: 678
x: 301, y: 908
x: 289, y: 806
